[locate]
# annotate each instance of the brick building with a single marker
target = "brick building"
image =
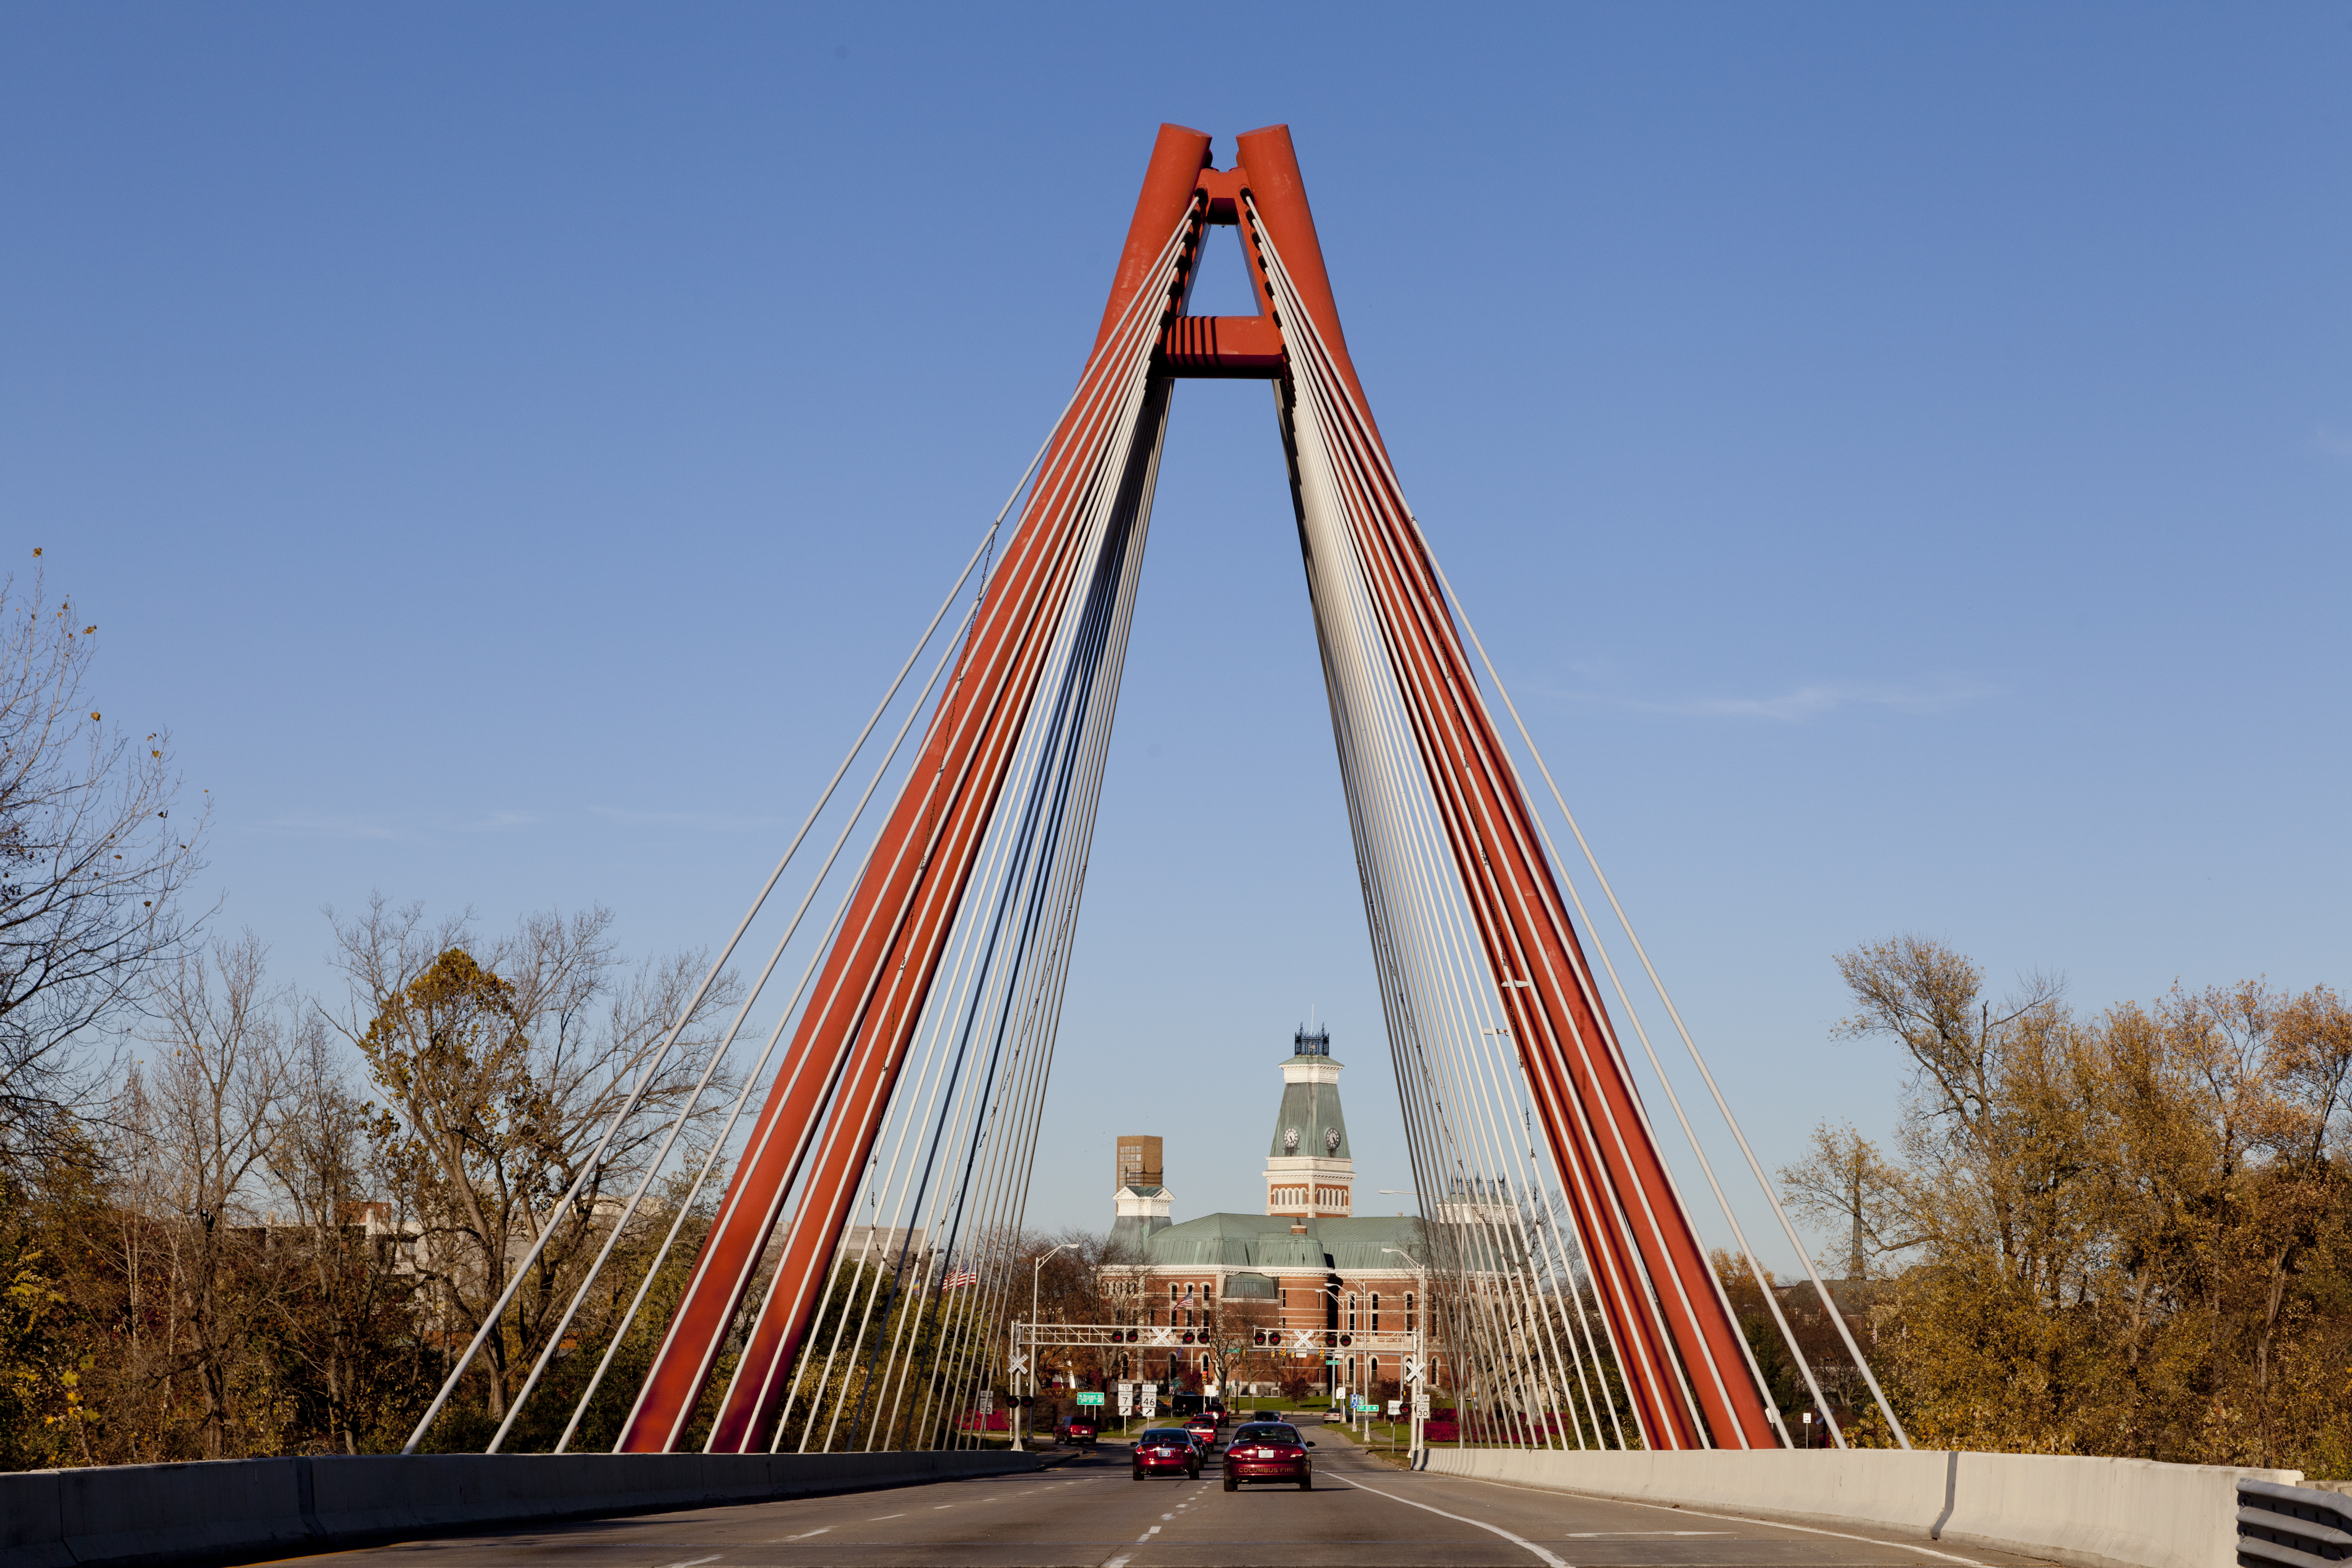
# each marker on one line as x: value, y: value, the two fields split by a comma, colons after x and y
x: 1307, y: 1262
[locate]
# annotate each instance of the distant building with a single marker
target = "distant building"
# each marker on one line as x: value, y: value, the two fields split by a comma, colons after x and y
x: 1307, y: 1262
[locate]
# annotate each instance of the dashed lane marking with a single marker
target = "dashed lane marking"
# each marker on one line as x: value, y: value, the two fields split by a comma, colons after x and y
x: 805, y: 1534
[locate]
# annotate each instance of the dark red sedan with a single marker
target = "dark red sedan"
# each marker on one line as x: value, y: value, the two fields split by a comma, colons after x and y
x: 1166, y: 1450
x: 1204, y: 1429
x: 1269, y: 1451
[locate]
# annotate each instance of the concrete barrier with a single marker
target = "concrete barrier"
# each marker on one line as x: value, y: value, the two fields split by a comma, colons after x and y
x: 2099, y: 1514
x: 148, y: 1516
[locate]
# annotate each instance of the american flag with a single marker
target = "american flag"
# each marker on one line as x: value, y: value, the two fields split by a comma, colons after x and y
x: 960, y: 1279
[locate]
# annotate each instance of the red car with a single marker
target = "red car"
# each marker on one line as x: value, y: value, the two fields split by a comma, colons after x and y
x: 1269, y: 1451
x: 1161, y: 1450
x: 1077, y: 1430
x: 1204, y: 1429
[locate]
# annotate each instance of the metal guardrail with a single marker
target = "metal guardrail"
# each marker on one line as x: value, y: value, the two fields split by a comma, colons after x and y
x: 2293, y: 1526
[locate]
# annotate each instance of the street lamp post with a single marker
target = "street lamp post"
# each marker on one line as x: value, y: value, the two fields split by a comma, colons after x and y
x: 1037, y: 1272
x: 1419, y: 1339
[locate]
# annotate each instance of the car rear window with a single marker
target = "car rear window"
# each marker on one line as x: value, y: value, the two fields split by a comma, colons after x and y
x: 1267, y: 1432
x: 1165, y: 1435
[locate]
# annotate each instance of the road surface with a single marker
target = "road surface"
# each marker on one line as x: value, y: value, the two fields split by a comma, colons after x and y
x: 1086, y: 1512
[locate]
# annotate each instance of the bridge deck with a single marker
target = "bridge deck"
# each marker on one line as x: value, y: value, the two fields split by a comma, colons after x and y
x: 1086, y: 1512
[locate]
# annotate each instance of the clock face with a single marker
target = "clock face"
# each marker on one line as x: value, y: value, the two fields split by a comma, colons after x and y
x: 1331, y: 1138
x: 1290, y: 1140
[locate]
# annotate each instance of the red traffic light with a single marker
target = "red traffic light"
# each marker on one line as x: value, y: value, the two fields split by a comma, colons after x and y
x: 1347, y: 1339
x: 1260, y: 1336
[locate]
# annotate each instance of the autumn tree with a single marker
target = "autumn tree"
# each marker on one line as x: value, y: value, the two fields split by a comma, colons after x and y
x: 504, y: 1075
x: 2122, y: 1234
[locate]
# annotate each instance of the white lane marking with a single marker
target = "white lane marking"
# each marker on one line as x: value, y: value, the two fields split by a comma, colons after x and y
x: 878, y: 1517
x: 1738, y: 1519
x: 1168, y: 1516
x: 695, y: 1562
x: 1519, y: 1540
x: 1119, y: 1560
x: 805, y: 1534
x: 936, y: 1507
x: 1614, y: 1534
x: 1152, y: 1531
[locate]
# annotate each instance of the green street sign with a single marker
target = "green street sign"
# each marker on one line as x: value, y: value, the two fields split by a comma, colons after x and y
x: 1089, y: 1398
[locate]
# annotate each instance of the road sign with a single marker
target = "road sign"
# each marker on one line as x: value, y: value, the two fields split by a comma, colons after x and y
x: 1150, y: 1404
x: 1086, y: 1398
x: 1020, y: 1364
x: 1395, y: 1406
x: 1126, y: 1399
x: 1421, y: 1406
x: 1363, y: 1404
x: 987, y: 1399
x: 1412, y: 1370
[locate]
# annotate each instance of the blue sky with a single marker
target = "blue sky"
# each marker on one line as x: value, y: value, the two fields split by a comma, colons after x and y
x: 1900, y: 456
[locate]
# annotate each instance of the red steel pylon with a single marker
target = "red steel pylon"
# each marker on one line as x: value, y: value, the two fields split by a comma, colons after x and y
x: 1679, y: 1348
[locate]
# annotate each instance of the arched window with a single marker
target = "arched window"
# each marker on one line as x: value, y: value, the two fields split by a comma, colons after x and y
x: 1376, y: 1312
x: 1351, y: 1310
x: 1410, y: 1322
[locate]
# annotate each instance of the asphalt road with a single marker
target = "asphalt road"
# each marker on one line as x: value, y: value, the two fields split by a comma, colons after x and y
x: 1086, y: 1512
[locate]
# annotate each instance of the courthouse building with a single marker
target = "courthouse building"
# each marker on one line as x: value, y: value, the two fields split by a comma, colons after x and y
x: 1307, y: 1262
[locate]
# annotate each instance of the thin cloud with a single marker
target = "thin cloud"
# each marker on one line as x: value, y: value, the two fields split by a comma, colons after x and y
x: 502, y: 822
x: 700, y: 821
x: 1814, y: 699
x: 311, y: 825
x: 1824, y: 696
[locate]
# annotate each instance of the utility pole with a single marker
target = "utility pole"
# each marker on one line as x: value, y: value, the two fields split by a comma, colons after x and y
x: 1020, y: 1416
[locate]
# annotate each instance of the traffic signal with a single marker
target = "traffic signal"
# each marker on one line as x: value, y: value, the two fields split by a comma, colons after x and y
x: 1260, y: 1336
x: 1347, y: 1339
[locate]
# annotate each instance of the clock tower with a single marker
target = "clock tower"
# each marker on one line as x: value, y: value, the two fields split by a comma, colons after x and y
x: 1310, y: 1172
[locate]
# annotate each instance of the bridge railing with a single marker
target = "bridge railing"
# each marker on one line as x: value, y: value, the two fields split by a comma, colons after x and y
x: 2293, y: 1525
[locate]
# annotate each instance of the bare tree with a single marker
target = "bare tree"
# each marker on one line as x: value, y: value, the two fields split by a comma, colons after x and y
x: 502, y: 1072
x: 218, y: 1092
x: 1844, y: 1185
x: 345, y: 1320
x: 92, y: 866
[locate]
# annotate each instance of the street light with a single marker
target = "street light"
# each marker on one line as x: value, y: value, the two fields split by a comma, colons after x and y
x: 1037, y: 1272
x: 1419, y: 1339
